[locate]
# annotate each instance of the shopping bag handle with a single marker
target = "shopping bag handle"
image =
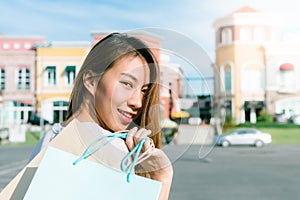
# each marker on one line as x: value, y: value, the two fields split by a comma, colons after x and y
x: 137, y: 150
x: 93, y: 147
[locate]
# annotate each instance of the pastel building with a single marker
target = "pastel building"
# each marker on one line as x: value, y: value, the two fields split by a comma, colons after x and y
x: 282, y: 77
x: 255, y: 70
x: 17, y: 78
x: 36, y: 76
x: 56, y: 66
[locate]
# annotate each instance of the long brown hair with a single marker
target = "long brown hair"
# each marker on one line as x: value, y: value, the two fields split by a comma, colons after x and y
x: 103, y: 56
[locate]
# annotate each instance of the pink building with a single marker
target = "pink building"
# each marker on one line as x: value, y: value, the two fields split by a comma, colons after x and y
x: 17, y: 78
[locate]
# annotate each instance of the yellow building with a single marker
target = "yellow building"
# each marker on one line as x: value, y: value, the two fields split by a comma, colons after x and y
x: 56, y: 66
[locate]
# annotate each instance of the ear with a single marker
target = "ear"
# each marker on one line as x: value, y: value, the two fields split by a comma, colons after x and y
x: 90, y: 82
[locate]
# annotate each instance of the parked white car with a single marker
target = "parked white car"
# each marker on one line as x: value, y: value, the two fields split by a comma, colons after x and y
x: 244, y: 136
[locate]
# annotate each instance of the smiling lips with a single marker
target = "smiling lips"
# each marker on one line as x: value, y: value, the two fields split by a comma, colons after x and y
x: 126, y: 116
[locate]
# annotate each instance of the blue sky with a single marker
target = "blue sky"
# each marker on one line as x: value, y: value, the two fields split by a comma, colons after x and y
x: 74, y: 20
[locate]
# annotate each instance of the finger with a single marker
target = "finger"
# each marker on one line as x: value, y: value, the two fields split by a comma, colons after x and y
x: 144, y: 134
x: 147, y: 144
x: 134, y: 136
x: 129, y: 139
x: 140, y: 134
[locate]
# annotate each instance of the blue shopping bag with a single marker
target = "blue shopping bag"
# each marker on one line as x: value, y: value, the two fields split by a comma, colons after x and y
x: 62, y: 175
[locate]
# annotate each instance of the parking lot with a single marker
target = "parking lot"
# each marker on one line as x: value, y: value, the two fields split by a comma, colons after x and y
x: 243, y: 173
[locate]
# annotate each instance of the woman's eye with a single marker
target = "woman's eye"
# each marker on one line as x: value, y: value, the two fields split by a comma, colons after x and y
x: 127, y: 84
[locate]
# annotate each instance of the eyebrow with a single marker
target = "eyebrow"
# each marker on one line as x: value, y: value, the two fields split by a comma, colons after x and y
x: 130, y: 76
x: 135, y: 79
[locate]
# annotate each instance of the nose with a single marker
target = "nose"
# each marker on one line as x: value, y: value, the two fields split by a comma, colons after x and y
x: 135, y: 100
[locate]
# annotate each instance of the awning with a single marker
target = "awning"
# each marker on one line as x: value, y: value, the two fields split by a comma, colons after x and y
x: 286, y: 67
x: 70, y: 68
x: 50, y: 68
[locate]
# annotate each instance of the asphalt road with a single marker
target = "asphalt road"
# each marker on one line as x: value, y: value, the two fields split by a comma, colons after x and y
x: 243, y: 173
x: 12, y: 161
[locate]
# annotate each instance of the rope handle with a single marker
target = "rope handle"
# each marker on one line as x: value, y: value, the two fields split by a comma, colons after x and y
x: 92, y: 148
x: 136, y: 151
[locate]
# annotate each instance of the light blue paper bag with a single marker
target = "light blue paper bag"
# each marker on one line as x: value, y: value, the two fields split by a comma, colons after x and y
x: 58, y: 178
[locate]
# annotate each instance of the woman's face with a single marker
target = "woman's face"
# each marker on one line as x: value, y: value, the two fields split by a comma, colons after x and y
x: 120, y: 92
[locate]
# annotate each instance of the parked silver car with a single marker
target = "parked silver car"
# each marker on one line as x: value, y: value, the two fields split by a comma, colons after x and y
x: 244, y: 136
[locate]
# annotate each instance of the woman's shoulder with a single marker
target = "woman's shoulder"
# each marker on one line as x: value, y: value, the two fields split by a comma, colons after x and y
x: 56, y: 128
x: 53, y: 132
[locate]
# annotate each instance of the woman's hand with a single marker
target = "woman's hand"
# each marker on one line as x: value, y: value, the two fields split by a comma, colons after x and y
x: 157, y: 165
x: 135, y: 135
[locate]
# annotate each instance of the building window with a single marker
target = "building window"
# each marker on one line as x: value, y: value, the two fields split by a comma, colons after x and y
x: 2, y: 79
x: 59, y: 111
x: 21, y: 112
x: 253, y: 80
x: 226, y: 36
x: 70, y: 75
x: 287, y: 77
x: 227, y: 80
x: 244, y: 34
x: 27, y: 45
x: 259, y: 34
x: 23, y: 78
x: 16, y: 46
x: 6, y: 45
x: 50, y: 76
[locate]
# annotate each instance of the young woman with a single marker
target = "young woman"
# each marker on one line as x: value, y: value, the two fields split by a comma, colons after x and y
x: 117, y: 87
